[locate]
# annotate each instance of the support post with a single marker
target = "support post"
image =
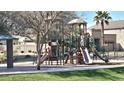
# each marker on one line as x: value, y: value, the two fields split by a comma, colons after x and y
x: 9, y: 53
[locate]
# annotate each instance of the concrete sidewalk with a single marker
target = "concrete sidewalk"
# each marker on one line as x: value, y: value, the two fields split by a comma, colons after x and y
x: 28, y: 67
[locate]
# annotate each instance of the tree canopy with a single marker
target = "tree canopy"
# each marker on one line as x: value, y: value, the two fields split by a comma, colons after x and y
x: 102, y: 18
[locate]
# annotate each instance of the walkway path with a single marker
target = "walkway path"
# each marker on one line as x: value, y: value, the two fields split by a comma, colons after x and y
x: 28, y: 67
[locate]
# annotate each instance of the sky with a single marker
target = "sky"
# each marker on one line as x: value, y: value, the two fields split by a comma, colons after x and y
x: 89, y: 15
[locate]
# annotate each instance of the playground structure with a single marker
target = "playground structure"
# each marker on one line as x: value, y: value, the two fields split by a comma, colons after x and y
x: 76, y: 53
x: 80, y: 52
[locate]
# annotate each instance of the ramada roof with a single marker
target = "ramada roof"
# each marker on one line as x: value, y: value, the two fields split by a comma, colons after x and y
x: 6, y: 36
x: 117, y: 24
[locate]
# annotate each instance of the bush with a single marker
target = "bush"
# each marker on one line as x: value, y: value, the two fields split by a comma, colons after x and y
x: 2, y: 58
x: 27, y: 56
x: 22, y: 51
x: 29, y: 51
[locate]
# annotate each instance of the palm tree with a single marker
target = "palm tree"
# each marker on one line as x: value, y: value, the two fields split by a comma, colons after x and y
x: 102, y: 18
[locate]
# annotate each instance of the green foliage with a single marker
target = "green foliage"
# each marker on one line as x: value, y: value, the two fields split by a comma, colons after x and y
x: 2, y: 57
x: 102, y: 17
x: 71, y: 42
x: 77, y: 32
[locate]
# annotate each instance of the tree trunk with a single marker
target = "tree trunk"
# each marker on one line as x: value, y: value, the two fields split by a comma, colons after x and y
x: 38, y: 48
x: 102, y: 34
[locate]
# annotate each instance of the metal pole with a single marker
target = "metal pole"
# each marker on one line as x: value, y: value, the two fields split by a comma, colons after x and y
x: 72, y: 46
x: 10, y: 53
x: 62, y: 41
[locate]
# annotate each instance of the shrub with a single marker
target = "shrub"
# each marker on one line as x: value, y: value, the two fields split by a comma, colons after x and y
x: 29, y: 51
x: 27, y: 56
x: 22, y: 51
x: 2, y: 58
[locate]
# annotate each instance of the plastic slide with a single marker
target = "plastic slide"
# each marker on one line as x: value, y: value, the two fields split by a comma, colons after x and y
x: 43, y: 58
x: 86, y: 56
x: 104, y: 59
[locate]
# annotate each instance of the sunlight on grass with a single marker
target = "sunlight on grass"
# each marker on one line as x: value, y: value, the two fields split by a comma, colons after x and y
x: 90, y: 75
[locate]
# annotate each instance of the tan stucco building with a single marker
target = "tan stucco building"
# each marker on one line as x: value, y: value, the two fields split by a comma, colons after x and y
x: 113, y: 35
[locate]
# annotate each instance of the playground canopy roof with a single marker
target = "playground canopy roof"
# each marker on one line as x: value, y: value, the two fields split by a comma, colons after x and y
x: 6, y: 36
x: 77, y: 21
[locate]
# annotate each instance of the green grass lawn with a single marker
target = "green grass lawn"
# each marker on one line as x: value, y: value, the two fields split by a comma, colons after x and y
x: 90, y: 75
